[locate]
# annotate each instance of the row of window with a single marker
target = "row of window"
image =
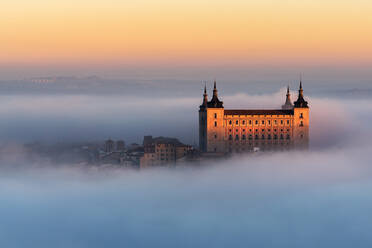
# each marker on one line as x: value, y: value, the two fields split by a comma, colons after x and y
x: 256, y: 122
x: 256, y: 137
x: 237, y: 123
x: 256, y: 130
x: 301, y: 115
x: 164, y: 150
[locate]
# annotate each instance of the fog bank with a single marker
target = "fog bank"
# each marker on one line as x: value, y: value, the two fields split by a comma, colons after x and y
x: 305, y: 199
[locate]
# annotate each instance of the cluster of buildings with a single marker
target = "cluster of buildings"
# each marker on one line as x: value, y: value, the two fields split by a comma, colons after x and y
x: 221, y: 132
x: 159, y: 151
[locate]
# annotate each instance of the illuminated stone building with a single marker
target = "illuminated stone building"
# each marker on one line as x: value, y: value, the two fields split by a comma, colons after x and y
x: 242, y: 130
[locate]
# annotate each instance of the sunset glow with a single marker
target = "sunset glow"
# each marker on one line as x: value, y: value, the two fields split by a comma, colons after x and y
x: 185, y: 32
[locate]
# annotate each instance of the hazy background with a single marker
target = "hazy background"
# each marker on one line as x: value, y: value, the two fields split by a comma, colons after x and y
x: 90, y: 108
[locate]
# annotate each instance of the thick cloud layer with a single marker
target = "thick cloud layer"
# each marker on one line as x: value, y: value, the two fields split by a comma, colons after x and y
x: 319, y: 198
x: 311, y: 199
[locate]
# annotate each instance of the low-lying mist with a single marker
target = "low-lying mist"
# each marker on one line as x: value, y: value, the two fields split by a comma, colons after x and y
x: 315, y: 198
x: 295, y: 199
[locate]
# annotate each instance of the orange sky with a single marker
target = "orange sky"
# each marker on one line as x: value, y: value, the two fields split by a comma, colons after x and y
x: 185, y: 32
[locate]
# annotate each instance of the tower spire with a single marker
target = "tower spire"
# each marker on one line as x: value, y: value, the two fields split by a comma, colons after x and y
x: 215, y: 102
x: 215, y: 91
x: 288, y: 103
x: 205, y: 96
x: 300, y: 103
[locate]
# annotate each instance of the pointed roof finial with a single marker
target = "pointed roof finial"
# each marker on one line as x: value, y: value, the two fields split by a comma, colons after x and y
x: 288, y: 103
x: 205, y: 97
x: 215, y: 102
x: 301, y: 103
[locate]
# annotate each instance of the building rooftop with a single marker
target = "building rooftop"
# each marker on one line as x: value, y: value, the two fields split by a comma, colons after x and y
x: 258, y: 112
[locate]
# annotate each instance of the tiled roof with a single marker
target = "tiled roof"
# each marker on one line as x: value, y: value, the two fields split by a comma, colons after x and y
x: 258, y: 112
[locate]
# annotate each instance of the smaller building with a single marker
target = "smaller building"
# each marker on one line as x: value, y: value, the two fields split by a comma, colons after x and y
x: 162, y: 151
x: 109, y: 145
x: 120, y: 156
x: 120, y: 145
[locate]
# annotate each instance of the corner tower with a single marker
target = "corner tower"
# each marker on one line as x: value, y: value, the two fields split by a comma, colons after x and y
x: 203, y: 122
x: 211, y: 126
x: 301, y: 121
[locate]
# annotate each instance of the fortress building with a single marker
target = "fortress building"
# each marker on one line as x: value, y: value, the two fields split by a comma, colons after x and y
x: 242, y: 130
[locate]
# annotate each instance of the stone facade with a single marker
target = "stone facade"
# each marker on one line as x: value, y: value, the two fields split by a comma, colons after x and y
x: 232, y: 131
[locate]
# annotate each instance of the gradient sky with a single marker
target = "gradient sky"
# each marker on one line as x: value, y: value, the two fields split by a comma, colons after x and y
x: 185, y: 32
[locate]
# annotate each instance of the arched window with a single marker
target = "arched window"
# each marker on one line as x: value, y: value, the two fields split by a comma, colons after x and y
x: 275, y: 137
x: 263, y: 136
x: 243, y: 137
x: 237, y: 122
x: 215, y: 123
x: 269, y: 136
x: 256, y: 137
x: 230, y: 122
x: 281, y: 136
x: 230, y: 137
x: 301, y: 124
x: 236, y: 137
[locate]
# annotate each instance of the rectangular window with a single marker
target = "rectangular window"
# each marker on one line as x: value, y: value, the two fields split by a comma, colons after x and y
x: 215, y: 115
x: 237, y: 122
x: 215, y: 123
x: 263, y: 122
